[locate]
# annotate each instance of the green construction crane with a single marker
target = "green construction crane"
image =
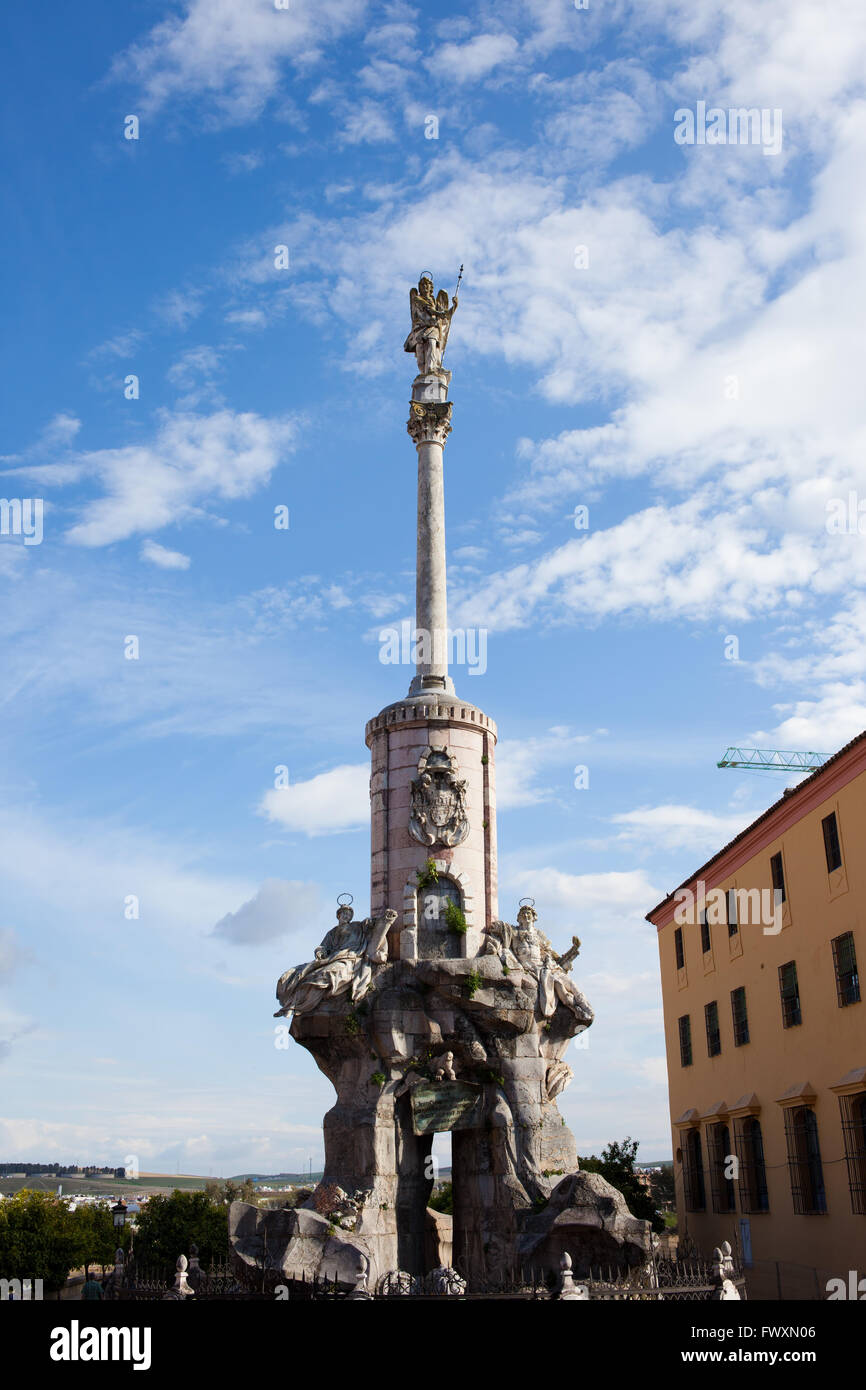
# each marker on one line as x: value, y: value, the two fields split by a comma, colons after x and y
x: 772, y: 760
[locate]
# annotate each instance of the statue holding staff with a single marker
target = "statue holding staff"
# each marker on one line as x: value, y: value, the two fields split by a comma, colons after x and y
x: 431, y: 322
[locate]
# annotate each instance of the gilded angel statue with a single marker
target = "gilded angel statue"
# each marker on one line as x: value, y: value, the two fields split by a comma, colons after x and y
x: 431, y: 321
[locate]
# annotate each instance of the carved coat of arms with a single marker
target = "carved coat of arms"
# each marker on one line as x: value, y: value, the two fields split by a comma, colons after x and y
x: 437, y: 813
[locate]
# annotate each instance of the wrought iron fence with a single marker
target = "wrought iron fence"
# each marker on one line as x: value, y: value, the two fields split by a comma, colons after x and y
x: 659, y: 1279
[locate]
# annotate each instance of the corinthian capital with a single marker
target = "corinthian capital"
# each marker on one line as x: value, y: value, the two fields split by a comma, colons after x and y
x: 429, y: 423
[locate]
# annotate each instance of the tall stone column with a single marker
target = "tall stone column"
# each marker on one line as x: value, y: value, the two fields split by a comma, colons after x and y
x: 429, y: 426
x: 433, y: 1014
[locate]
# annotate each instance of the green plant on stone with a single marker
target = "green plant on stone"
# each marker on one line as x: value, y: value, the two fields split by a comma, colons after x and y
x: 378, y: 1078
x: 428, y: 876
x: 473, y: 984
x: 455, y: 919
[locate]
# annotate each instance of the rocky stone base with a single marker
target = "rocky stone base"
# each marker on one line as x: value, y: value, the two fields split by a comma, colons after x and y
x: 271, y: 1246
x: 589, y: 1220
x: 584, y: 1218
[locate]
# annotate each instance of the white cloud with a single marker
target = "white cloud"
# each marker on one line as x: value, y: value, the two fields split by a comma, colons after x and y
x: 232, y: 52
x: 681, y: 827
x: 820, y: 725
x: 367, y: 124
x: 121, y: 345
x: 327, y: 804
x: 717, y: 319
x: 178, y: 308
x: 613, y: 893
x: 190, y: 461
x: 244, y: 163
x: 247, y: 318
x: 826, y: 660
x: 157, y: 554
x: 521, y: 763
x: 279, y: 908
x: 467, y: 62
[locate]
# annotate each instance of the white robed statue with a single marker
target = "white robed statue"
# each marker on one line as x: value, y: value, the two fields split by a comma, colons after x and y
x: 344, y: 964
x: 524, y: 946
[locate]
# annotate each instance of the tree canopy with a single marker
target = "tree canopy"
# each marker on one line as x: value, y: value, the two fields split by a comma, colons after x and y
x: 170, y: 1223
x: 41, y: 1238
x: 617, y: 1166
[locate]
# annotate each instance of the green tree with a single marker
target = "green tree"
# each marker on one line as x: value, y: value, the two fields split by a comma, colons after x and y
x: 99, y: 1236
x: 664, y: 1189
x: 40, y: 1238
x: 442, y: 1198
x: 170, y: 1223
x: 229, y: 1191
x: 617, y: 1166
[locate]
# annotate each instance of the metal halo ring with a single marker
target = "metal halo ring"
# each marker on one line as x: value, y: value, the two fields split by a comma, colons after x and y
x: 348, y: 896
x: 526, y: 902
x: 426, y: 275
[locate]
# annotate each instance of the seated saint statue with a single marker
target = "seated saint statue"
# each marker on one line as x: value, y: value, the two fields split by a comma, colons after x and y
x: 525, y: 947
x: 344, y: 964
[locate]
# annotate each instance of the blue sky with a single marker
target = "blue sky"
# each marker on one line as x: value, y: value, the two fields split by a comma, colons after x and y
x: 693, y: 376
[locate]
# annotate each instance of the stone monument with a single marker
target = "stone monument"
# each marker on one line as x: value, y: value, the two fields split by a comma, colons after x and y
x: 432, y: 1014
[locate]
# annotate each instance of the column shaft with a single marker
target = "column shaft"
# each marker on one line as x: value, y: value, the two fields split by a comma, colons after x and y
x: 431, y: 603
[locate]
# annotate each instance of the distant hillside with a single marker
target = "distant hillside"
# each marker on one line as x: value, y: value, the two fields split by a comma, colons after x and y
x: 104, y: 1186
x: 299, y: 1179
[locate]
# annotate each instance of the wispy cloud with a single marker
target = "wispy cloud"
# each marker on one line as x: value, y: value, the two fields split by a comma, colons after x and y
x: 189, y: 462
x: 158, y: 555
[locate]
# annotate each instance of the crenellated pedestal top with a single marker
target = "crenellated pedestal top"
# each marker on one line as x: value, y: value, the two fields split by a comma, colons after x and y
x: 428, y: 708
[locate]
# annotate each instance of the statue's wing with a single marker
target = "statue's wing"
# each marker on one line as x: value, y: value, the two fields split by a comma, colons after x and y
x: 442, y: 301
x: 413, y: 300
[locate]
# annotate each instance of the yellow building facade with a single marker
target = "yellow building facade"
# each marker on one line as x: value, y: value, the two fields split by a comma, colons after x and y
x: 765, y: 1031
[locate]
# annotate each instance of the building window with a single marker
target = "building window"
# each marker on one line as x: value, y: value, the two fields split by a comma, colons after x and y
x: 685, y: 1041
x: 714, y: 1037
x: 804, y: 1161
x: 678, y: 948
x: 753, y: 1170
x: 854, y: 1133
x: 832, y: 848
x: 694, y: 1192
x: 733, y: 919
x: 721, y: 1187
x: 740, y: 1016
x: 778, y: 875
x: 845, y: 965
x: 790, y: 993
x: 706, y: 941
